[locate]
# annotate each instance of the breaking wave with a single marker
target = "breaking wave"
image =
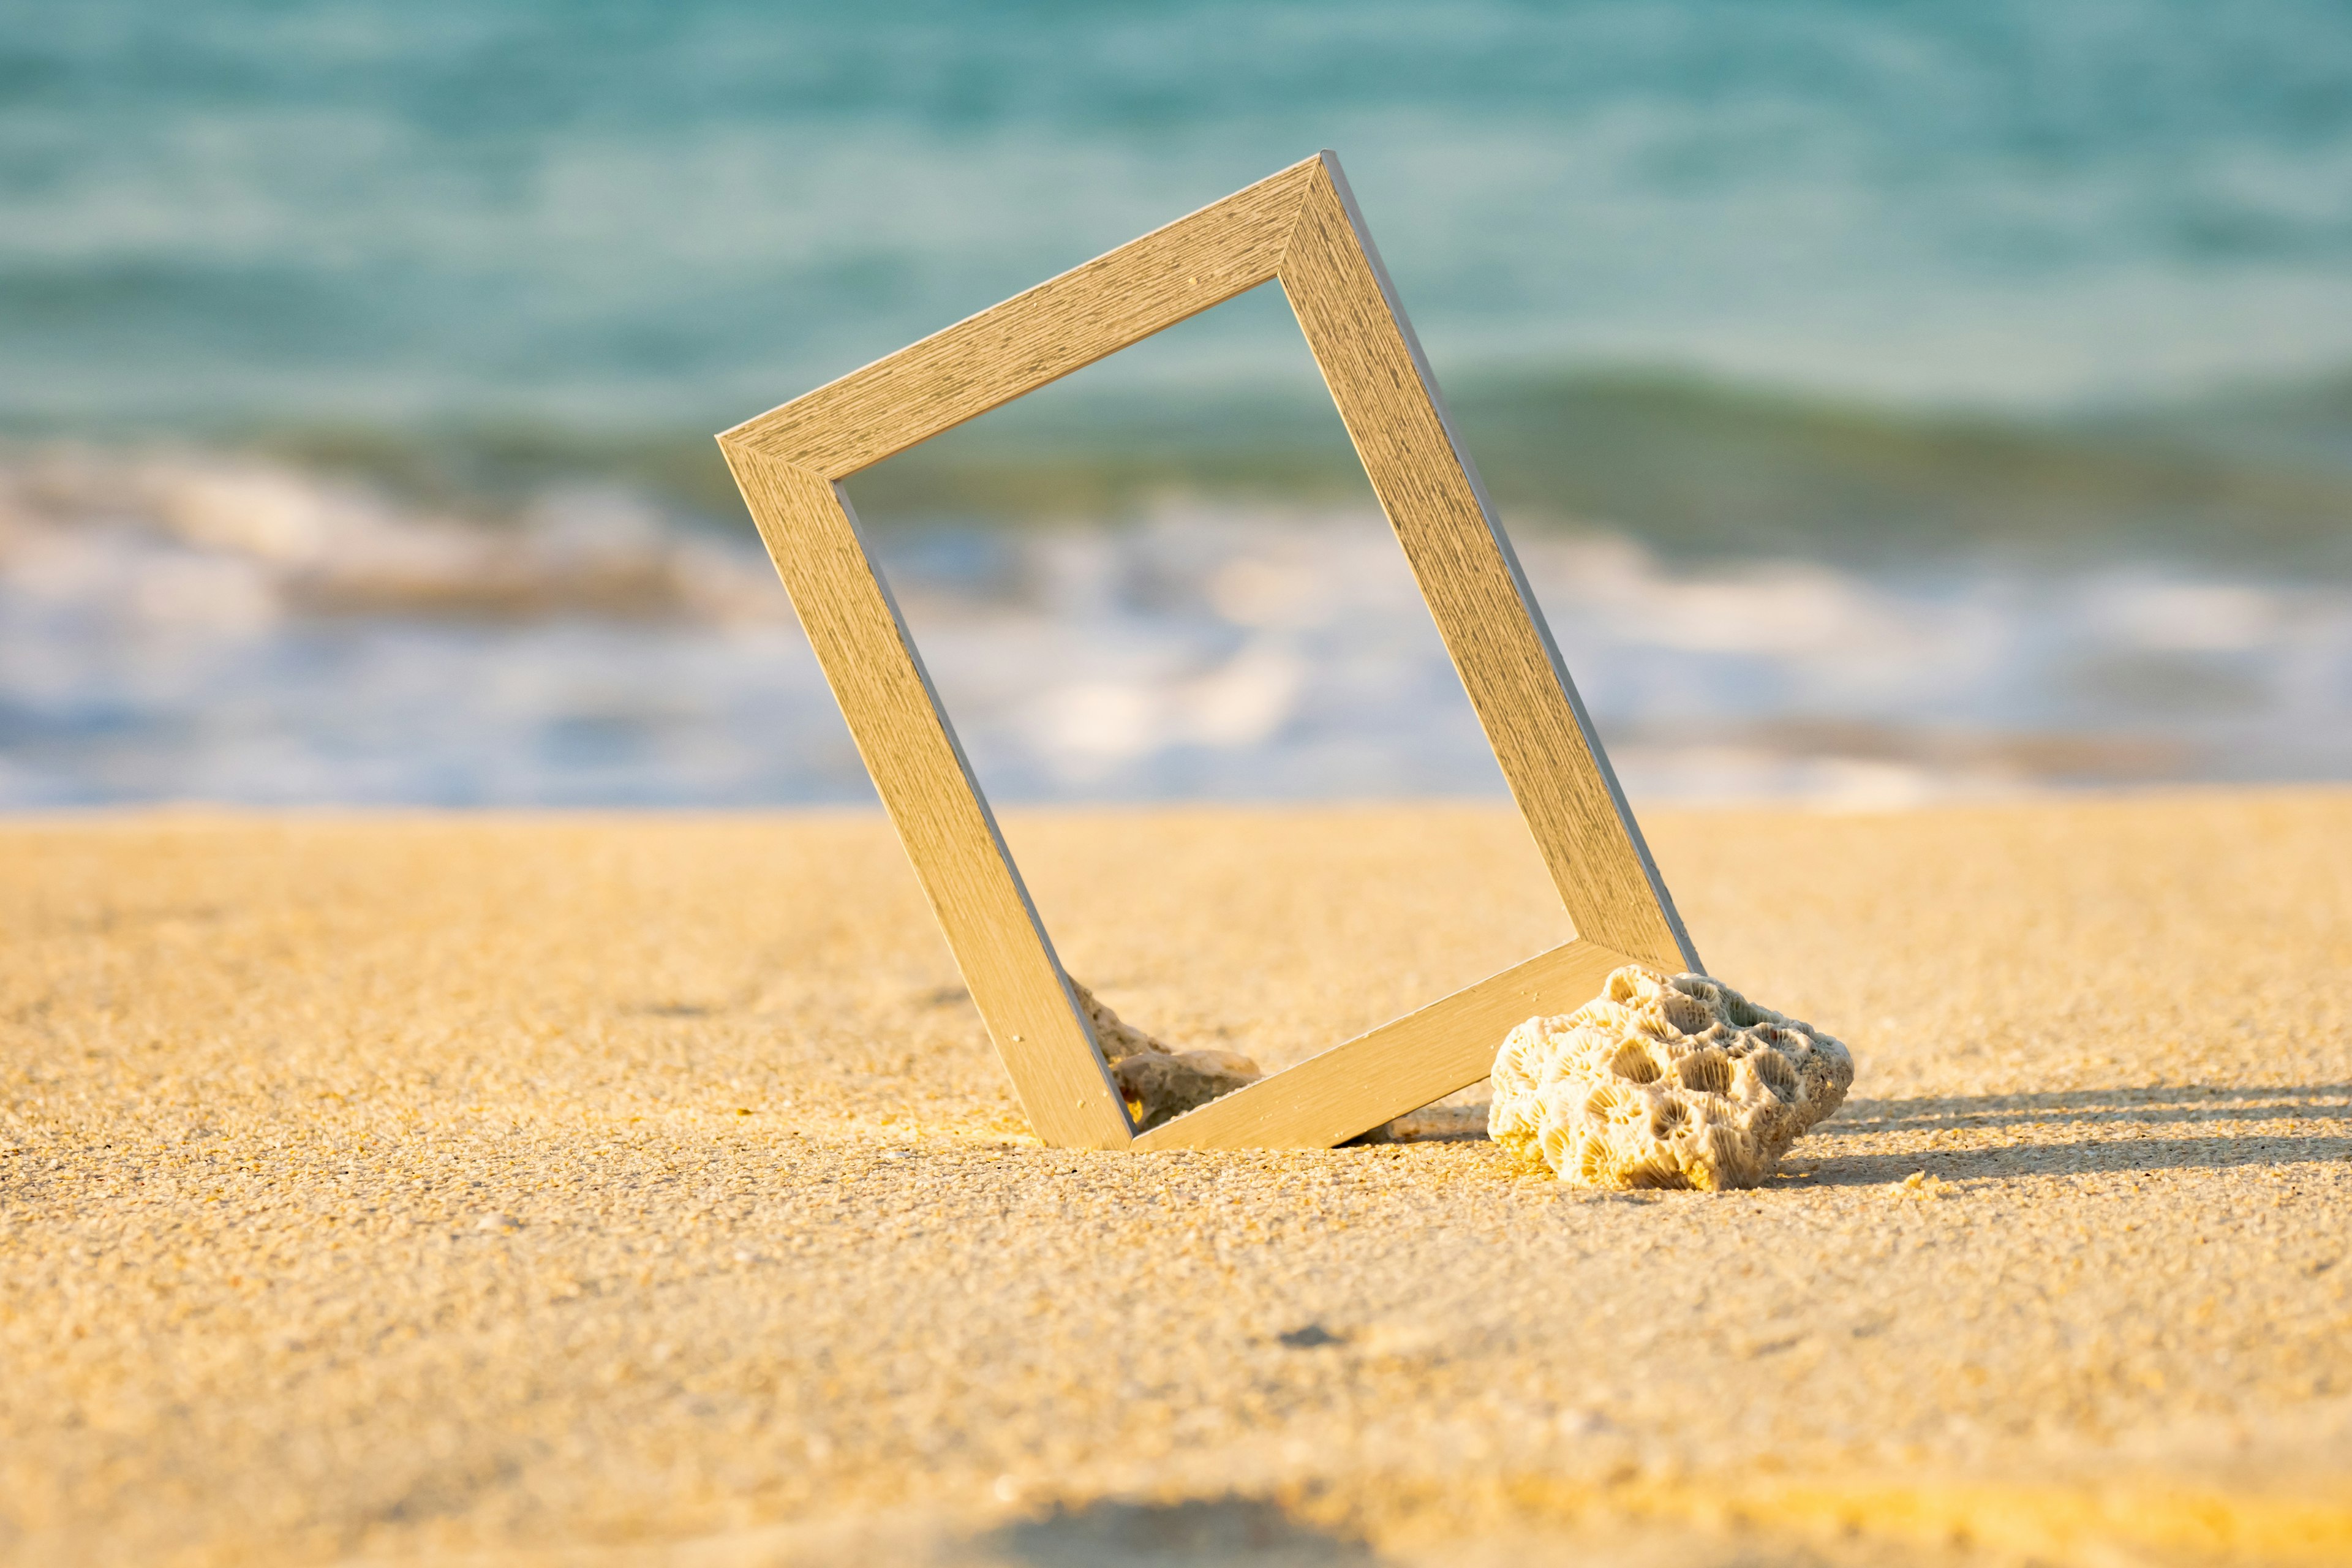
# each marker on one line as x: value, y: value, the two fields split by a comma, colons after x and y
x: 190, y: 624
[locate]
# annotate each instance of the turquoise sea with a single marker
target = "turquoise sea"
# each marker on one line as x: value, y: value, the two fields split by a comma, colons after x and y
x: 1892, y: 399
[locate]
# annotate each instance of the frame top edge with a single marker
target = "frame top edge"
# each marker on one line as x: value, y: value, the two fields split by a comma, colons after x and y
x: 746, y: 433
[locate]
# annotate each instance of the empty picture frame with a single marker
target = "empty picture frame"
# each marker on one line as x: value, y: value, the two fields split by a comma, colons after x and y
x: 1300, y: 227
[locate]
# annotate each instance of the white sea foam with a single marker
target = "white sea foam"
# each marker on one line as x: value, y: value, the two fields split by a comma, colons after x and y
x: 192, y: 624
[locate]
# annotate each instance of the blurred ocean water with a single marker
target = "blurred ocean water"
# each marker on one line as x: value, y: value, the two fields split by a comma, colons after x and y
x: 634, y: 214
x: 1887, y: 400
x: 185, y: 625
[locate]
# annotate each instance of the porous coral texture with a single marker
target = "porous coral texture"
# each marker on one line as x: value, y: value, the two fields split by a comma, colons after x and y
x: 1158, y: 1081
x: 1663, y: 1083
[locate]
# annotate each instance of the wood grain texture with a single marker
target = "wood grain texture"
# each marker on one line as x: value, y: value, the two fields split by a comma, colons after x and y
x: 1008, y: 963
x: 1395, y: 1069
x: 1300, y: 226
x: 1061, y: 325
x: 1491, y: 623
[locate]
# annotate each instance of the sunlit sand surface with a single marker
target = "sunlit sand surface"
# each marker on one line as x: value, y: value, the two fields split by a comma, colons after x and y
x: 643, y: 1190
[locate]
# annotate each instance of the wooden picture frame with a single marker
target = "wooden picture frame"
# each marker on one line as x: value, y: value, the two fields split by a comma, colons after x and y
x: 1300, y: 227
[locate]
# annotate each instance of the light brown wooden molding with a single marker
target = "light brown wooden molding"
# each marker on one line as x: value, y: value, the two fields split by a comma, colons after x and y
x: 1300, y: 226
x: 1062, y: 325
x: 1398, y: 1068
x: 1472, y: 582
x: 926, y: 787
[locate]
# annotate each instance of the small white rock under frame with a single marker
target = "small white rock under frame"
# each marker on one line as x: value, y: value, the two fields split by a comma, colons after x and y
x: 1159, y: 1082
x: 1663, y: 1083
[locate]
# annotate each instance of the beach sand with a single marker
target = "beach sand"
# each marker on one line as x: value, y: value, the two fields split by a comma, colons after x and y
x: 609, y: 1190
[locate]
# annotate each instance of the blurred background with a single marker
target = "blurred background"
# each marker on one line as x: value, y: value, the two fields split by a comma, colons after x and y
x: 1889, y: 401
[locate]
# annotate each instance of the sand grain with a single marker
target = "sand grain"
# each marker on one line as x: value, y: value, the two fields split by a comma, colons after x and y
x: 598, y: 1190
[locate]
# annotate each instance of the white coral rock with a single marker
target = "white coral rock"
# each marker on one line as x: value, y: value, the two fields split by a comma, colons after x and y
x: 1663, y: 1083
x: 1158, y: 1083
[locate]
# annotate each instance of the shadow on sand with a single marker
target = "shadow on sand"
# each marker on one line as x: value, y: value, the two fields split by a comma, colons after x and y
x: 2121, y: 1130
x: 1199, y: 1533
x: 2188, y: 1127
